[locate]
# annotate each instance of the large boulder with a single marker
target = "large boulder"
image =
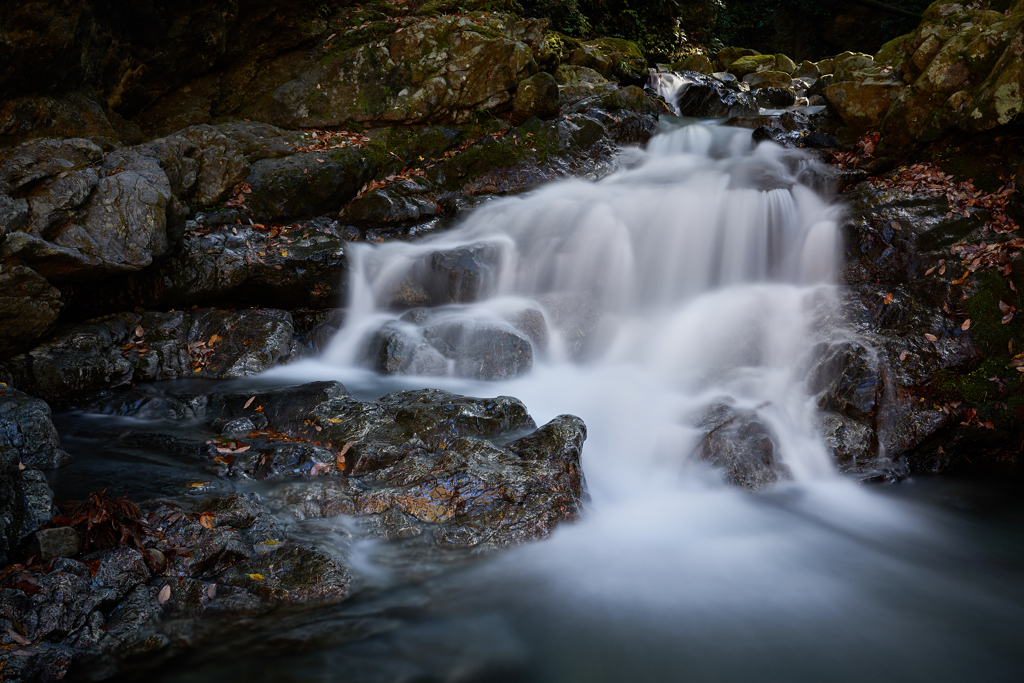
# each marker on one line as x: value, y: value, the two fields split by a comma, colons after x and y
x: 435, y: 69
x: 29, y: 306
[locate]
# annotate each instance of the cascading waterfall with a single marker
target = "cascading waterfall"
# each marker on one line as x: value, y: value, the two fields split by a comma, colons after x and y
x: 703, y: 269
x: 704, y: 261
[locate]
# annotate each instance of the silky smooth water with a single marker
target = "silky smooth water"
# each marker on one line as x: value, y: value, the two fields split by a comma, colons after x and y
x: 711, y: 263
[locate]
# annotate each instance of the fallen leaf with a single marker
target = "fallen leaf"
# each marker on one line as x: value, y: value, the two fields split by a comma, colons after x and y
x: 139, y: 331
x: 206, y: 519
x: 1007, y: 318
x: 903, y: 355
x: 318, y: 428
x: 930, y: 271
x: 256, y: 577
x: 966, y: 326
x: 214, y: 339
x: 164, y: 595
x: 319, y: 468
x: 19, y: 639
x: 21, y: 466
x: 1004, y: 307
x: 249, y: 402
x: 942, y: 270
x: 211, y: 591
x: 930, y: 337
x: 895, y: 225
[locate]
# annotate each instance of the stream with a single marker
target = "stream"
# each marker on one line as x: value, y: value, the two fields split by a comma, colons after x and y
x: 708, y: 265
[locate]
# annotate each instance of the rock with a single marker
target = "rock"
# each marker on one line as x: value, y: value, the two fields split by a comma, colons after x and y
x: 626, y: 61
x: 439, y: 69
x: 222, y: 164
x: 575, y: 317
x: 29, y: 307
x: 749, y: 64
x: 774, y: 98
x: 37, y: 499
x: 398, y: 350
x: 576, y: 83
x: 109, y: 352
x: 60, y: 541
x: 708, y: 97
x: 808, y: 70
x: 249, y: 341
x: 306, y: 184
x: 851, y: 444
x: 846, y: 379
x: 299, y: 266
x: 741, y: 445
x: 785, y: 64
x: 26, y: 426
x: 70, y: 114
x: 461, y: 275
x: 536, y: 96
x: 861, y: 105
x: 292, y: 575
x: 428, y: 455
x: 87, y: 225
x: 769, y: 79
x: 727, y: 56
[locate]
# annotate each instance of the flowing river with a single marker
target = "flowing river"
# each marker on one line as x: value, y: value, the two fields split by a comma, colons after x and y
x: 708, y: 267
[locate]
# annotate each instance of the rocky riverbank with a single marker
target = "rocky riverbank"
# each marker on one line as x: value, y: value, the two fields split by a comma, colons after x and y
x: 180, y: 205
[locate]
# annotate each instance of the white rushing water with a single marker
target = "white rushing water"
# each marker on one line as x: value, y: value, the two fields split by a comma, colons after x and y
x: 707, y: 266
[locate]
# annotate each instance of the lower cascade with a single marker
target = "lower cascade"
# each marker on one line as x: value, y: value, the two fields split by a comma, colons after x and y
x: 701, y: 270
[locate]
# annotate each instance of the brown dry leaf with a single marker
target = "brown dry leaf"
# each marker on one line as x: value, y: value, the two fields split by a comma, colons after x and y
x: 211, y: 591
x: 930, y: 271
x: 18, y: 638
x: 930, y: 337
x: 888, y: 299
x: 966, y: 326
x: 214, y: 339
x: 1013, y: 287
x: 139, y: 331
x: 206, y: 519
x: 1004, y: 307
x: 249, y: 402
x: 903, y: 355
x: 21, y: 466
x: 895, y: 225
x: 942, y: 270
x: 319, y: 468
x: 164, y: 595
x: 1007, y: 318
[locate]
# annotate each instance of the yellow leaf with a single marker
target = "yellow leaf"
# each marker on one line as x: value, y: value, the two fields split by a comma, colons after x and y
x: 256, y: 577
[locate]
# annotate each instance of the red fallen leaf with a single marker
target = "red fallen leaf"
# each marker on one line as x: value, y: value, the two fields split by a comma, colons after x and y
x: 988, y: 425
x: 207, y: 520
x: 930, y: 337
x: 966, y: 326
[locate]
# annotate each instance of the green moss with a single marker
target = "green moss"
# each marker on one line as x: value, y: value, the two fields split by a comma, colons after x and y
x: 356, y: 37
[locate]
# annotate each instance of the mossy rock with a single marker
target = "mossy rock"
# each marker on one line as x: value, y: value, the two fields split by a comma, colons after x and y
x: 752, y: 64
x: 726, y: 56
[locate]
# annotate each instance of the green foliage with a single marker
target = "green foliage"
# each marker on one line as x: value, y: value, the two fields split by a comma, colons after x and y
x: 661, y: 28
x: 811, y: 29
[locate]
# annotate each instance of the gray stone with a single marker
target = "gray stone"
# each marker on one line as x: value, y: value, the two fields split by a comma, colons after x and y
x: 62, y: 541
x: 26, y: 426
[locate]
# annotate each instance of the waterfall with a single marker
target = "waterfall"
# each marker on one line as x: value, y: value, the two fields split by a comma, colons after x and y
x: 695, y: 274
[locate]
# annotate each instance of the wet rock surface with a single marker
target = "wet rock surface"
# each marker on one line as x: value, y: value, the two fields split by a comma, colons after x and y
x: 739, y: 444
x: 116, y: 350
x: 441, y: 474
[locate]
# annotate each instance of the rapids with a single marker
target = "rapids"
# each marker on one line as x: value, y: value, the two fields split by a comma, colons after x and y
x: 712, y: 264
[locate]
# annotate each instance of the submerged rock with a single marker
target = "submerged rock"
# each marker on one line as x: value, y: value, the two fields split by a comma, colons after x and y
x: 741, y: 445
